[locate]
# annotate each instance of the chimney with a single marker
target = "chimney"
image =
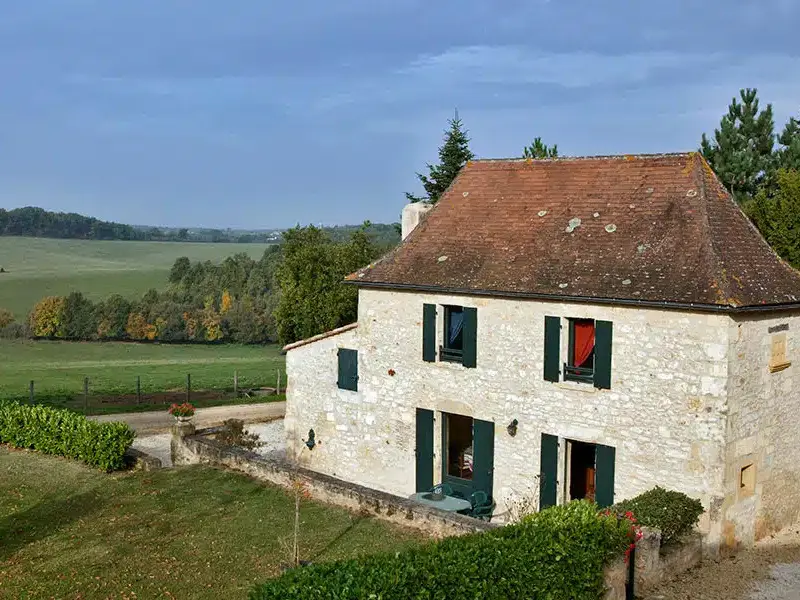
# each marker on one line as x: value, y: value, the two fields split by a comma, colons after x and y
x: 412, y: 215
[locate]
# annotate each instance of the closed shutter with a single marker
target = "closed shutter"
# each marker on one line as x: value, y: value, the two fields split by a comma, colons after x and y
x: 348, y: 369
x: 469, y: 357
x: 483, y: 456
x: 552, y: 348
x: 429, y: 332
x: 424, y: 450
x: 605, y: 456
x: 548, y: 471
x: 602, y: 354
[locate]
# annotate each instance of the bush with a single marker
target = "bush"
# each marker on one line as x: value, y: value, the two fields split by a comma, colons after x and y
x: 674, y: 513
x: 64, y: 433
x: 6, y: 317
x: 14, y: 331
x: 234, y: 435
x: 558, y: 553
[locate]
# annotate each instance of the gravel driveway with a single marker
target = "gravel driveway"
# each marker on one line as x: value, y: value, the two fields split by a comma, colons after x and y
x: 271, y: 433
x: 769, y: 571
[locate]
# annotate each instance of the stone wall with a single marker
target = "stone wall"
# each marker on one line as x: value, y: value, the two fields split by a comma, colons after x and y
x: 190, y: 447
x: 664, y: 414
x: 762, y: 433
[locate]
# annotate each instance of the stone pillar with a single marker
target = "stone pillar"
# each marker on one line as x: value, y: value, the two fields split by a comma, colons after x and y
x: 412, y: 215
x: 180, y: 430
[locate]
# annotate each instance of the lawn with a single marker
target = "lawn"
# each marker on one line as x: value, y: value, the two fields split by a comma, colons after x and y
x: 71, y: 532
x: 58, y: 369
x: 39, y: 267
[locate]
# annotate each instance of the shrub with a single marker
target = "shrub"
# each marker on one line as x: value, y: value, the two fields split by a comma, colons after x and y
x: 47, y: 317
x: 234, y: 434
x: 558, y: 553
x: 6, y: 317
x: 674, y: 513
x: 14, y: 331
x: 64, y: 433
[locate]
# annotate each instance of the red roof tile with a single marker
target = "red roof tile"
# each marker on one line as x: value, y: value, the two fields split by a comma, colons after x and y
x: 656, y: 228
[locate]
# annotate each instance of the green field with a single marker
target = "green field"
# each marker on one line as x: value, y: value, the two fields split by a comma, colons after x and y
x: 69, y: 531
x: 58, y: 370
x: 39, y: 267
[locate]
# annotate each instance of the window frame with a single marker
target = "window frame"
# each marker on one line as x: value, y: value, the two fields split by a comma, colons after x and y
x: 343, y: 381
x: 446, y: 353
x: 571, y: 372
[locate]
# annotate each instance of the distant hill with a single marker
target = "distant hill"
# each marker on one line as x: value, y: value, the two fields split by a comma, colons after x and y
x: 36, y: 222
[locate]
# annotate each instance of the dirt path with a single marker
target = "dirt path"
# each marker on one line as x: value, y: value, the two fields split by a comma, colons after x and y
x: 769, y: 571
x: 155, y: 421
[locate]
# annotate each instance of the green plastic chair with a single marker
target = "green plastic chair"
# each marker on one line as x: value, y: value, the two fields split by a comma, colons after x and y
x: 443, y: 488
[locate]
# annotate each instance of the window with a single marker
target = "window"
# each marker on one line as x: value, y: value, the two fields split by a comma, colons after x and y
x: 580, y: 360
x: 747, y: 480
x: 778, y: 360
x: 458, y: 446
x: 348, y: 370
x: 452, y: 349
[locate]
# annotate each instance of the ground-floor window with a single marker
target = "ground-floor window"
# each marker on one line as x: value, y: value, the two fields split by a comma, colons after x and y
x: 458, y: 445
x: 581, y: 469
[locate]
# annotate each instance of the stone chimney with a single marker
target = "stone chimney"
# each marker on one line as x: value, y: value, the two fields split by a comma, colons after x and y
x: 412, y: 215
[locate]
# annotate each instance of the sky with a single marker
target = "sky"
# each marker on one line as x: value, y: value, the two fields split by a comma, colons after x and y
x: 266, y: 114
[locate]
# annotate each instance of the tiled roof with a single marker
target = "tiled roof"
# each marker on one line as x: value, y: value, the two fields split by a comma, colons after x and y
x: 318, y: 337
x: 653, y: 228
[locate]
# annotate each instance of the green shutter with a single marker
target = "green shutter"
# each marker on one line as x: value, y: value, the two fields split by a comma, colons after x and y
x: 548, y: 476
x: 424, y: 450
x: 348, y: 369
x: 552, y: 348
x: 469, y: 357
x: 604, y: 476
x: 429, y: 333
x: 483, y: 456
x: 602, y: 354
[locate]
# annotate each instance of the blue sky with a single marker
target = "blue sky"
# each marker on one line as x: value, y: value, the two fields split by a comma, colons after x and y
x: 265, y: 114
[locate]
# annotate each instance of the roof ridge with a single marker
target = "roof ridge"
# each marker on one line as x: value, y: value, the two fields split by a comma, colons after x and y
x: 588, y: 157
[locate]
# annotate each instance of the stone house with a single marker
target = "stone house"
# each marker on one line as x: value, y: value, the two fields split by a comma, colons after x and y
x: 568, y: 328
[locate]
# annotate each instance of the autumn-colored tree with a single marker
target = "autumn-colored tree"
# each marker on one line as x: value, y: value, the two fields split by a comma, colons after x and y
x: 47, y: 317
x: 6, y: 317
x: 226, y: 303
x: 212, y: 322
x: 136, y: 327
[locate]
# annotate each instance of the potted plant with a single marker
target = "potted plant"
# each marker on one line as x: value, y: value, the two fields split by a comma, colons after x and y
x: 182, y: 412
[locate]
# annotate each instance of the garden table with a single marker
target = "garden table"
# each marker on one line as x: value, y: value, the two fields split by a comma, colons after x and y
x: 448, y: 503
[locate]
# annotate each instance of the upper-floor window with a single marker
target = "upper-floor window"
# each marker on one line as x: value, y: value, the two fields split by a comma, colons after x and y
x: 452, y: 348
x: 347, y: 369
x: 450, y: 334
x: 580, y: 357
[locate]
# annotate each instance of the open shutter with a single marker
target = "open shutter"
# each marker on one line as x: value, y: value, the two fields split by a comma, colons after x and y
x: 429, y: 332
x: 483, y: 457
x: 605, y: 457
x: 469, y: 357
x: 552, y: 348
x: 424, y: 449
x: 549, y: 471
x: 602, y: 354
x: 348, y: 369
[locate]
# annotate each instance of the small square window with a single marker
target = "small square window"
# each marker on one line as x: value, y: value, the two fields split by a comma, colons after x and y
x: 580, y: 360
x: 452, y: 349
x: 747, y: 479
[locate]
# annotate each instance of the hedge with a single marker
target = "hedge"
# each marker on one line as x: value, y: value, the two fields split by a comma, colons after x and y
x: 558, y: 553
x: 674, y: 513
x: 64, y: 433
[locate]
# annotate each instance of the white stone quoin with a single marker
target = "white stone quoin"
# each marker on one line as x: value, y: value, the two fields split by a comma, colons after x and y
x: 412, y: 214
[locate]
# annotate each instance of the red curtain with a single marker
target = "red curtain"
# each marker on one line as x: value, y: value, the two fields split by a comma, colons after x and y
x: 584, y: 341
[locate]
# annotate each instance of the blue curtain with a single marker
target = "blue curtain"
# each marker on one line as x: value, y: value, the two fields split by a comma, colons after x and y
x: 456, y: 324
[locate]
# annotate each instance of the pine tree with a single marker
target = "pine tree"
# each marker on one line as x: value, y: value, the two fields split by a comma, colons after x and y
x: 789, y: 154
x: 741, y: 153
x: 777, y: 215
x: 453, y: 155
x: 539, y: 150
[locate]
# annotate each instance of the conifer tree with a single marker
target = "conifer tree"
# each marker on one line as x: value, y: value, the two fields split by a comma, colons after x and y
x: 741, y: 153
x: 789, y: 154
x: 777, y: 215
x: 453, y: 155
x: 540, y: 150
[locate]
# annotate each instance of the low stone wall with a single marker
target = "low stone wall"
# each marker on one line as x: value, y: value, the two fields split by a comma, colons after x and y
x: 141, y: 461
x: 655, y: 564
x: 190, y: 447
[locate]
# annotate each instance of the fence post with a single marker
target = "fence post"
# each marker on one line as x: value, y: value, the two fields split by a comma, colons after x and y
x: 188, y: 387
x: 138, y: 389
x: 278, y: 390
x: 236, y: 384
x: 31, y: 389
x: 85, y: 395
x: 630, y: 588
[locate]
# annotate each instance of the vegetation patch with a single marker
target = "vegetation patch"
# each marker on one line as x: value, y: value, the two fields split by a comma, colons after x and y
x: 557, y: 553
x: 674, y: 513
x: 64, y: 433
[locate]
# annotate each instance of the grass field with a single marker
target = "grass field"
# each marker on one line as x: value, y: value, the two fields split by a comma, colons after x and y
x: 194, y: 532
x: 58, y: 370
x: 39, y: 267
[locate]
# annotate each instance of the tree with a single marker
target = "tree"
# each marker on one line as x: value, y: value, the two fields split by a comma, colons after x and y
x: 80, y: 318
x: 741, y: 153
x: 539, y: 150
x: 180, y: 267
x: 789, y: 153
x: 777, y: 215
x: 453, y: 155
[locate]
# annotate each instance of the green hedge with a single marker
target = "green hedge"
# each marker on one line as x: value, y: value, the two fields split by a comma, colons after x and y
x: 674, y: 513
x: 64, y: 433
x: 556, y: 554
